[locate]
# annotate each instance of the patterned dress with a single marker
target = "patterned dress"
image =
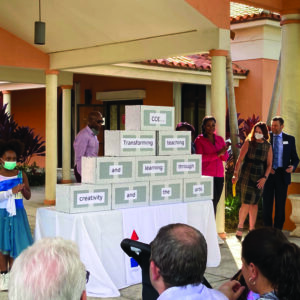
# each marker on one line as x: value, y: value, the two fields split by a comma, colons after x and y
x: 15, y: 235
x: 253, y: 168
x: 268, y: 296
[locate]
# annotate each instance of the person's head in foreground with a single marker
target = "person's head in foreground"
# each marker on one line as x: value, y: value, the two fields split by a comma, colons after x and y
x: 177, y: 264
x: 49, y: 269
x: 271, y: 264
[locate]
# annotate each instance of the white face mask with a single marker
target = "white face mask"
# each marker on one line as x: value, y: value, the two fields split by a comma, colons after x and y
x: 258, y: 135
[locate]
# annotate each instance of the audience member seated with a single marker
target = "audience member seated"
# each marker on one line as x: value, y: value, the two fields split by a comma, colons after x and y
x: 177, y: 265
x: 49, y: 269
x: 271, y: 265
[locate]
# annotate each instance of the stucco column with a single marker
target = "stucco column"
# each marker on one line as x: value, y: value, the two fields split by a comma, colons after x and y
x: 290, y: 74
x: 218, y: 110
x: 66, y: 133
x: 51, y: 136
x: 7, y: 100
x: 177, y: 101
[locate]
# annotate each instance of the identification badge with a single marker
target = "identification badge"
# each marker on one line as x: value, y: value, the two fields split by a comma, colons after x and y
x: 285, y: 142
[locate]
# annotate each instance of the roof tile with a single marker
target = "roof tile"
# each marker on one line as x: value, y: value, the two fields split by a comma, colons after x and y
x: 244, y: 13
x: 199, y: 62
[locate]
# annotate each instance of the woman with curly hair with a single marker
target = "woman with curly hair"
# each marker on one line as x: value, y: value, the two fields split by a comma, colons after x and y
x: 15, y: 233
x: 271, y: 264
x: 251, y: 172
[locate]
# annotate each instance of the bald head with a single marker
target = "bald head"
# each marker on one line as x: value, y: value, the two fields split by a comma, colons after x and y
x: 180, y: 253
x: 95, y: 120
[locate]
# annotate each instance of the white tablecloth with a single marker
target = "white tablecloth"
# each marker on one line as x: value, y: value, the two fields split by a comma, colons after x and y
x: 99, y: 234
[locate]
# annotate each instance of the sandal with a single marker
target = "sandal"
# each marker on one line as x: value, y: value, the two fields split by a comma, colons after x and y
x: 239, y: 236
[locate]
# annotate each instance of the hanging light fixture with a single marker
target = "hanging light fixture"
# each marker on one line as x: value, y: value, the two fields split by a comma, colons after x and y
x: 39, y: 29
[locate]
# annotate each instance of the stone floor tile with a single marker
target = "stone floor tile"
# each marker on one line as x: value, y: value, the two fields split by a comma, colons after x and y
x: 133, y: 292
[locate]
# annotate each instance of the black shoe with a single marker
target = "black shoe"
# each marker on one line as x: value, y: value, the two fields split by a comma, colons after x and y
x: 239, y: 237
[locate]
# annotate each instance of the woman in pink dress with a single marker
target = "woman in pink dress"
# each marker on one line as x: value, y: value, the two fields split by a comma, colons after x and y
x: 213, y: 149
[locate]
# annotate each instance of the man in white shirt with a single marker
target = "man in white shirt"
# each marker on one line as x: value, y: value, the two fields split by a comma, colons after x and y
x: 177, y: 265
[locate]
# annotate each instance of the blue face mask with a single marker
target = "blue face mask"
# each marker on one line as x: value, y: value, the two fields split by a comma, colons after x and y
x: 9, y: 165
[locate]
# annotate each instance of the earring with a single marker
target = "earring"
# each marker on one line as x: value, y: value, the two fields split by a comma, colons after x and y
x: 251, y: 281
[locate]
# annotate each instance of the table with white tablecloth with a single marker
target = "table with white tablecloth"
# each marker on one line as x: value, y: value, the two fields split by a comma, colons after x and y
x: 99, y: 234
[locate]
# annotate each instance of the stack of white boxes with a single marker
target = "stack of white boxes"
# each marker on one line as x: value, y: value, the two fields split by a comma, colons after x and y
x: 147, y: 164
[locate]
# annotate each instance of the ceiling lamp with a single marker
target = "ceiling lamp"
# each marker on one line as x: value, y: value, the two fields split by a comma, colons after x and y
x: 39, y: 29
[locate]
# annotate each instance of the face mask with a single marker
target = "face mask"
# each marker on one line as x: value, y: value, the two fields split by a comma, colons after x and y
x: 258, y: 135
x: 95, y: 132
x: 10, y: 165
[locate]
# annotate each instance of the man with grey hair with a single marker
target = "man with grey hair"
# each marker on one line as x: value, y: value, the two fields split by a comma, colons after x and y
x: 49, y: 269
x: 177, y: 265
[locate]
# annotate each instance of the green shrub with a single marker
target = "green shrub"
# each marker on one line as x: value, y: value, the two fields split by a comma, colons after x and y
x: 35, y: 174
x: 232, y: 206
x: 9, y: 129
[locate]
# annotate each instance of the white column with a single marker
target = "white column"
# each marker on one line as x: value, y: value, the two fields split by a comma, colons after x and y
x: 218, y: 110
x: 51, y: 136
x: 7, y: 100
x: 290, y: 74
x: 177, y: 101
x: 77, y: 101
x: 66, y: 133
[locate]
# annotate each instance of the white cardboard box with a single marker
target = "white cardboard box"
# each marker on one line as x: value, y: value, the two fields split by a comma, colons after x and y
x: 127, y: 195
x: 195, y: 189
x: 173, y: 142
x: 164, y: 192
x: 101, y: 170
x: 185, y: 166
x: 145, y: 117
x: 152, y: 168
x: 78, y: 198
x: 129, y: 143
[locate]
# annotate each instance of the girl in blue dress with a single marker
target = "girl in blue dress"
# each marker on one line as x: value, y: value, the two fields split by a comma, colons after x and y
x: 15, y: 233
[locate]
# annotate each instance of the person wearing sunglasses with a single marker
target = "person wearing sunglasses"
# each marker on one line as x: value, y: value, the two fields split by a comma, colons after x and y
x: 86, y: 142
x: 50, y: 269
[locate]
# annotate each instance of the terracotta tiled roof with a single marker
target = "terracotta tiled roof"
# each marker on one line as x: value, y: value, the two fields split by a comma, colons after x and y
x: 244, y: 13
x: 197, y: 62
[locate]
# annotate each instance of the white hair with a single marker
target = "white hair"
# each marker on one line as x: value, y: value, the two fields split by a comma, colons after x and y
x: 48, y: 270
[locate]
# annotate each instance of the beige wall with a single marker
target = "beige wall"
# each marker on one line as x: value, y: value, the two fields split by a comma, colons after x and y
x: 253, y: 95
x: 157, y: 93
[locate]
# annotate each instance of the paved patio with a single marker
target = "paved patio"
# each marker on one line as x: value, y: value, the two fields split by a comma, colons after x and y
x: 230, y: 252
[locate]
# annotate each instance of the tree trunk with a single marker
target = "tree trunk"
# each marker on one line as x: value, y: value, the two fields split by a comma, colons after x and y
x: 233, y: 124
x: 275, y: 94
